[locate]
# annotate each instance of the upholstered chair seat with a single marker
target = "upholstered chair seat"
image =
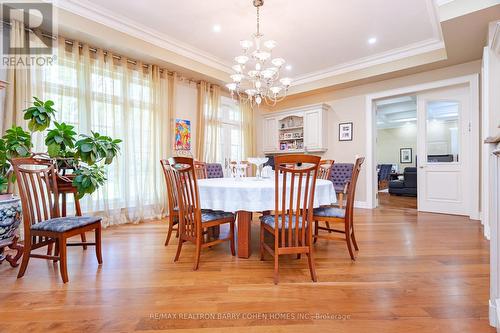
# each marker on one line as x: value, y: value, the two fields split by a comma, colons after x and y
x: 212, y: 215
x: 329, y: 211
x: 269, y: 220
x: 63, y: 224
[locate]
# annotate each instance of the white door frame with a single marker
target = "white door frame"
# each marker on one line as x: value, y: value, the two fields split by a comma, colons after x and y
x: 473, y: 83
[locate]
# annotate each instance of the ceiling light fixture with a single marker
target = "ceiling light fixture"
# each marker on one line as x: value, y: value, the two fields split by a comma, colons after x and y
x: 257, y: 73
x: 372, y: 40
x: 216, y: 28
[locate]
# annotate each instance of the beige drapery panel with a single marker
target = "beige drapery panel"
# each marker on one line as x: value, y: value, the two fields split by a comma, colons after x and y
x: 247, y: 130
x: 203, y: 92
x: 95, y: 92
x: 18, y: 93
x: 208, y: 134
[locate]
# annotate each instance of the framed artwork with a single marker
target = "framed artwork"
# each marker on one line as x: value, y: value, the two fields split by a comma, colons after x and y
x: 182, y: 134
x: 405, y: 155
x: 345, y: 132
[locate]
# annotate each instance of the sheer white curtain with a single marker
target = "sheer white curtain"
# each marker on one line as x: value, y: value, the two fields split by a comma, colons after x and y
x: 96, y: 92
x: 209, y: 122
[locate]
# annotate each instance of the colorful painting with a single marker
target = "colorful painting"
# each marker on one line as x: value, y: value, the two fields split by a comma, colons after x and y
x: 182, y: 134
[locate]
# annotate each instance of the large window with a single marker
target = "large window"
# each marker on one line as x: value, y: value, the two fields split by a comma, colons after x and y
x: 99, y: 94
x: 230, y: 145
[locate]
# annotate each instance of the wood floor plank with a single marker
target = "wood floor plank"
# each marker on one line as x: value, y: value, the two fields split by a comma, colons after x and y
x: 415, y: 272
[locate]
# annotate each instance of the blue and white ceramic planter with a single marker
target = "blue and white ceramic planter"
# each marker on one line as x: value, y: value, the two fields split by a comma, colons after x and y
x: 10, y: 219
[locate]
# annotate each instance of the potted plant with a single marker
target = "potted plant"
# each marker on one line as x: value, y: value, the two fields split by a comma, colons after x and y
x: 80, y: 161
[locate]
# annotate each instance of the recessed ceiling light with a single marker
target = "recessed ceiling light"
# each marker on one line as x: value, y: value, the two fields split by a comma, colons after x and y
x: 216, y: 28
x: 288, y: 67
x: 372, y: 40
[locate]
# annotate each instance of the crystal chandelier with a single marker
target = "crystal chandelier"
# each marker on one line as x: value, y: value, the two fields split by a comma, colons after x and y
x: 257, y: 74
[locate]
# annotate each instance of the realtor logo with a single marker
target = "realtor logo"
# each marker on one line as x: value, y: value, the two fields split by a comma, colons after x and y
x: 23, y: 28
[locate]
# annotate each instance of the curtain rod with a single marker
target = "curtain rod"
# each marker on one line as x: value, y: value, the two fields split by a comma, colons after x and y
x: 93, y: 49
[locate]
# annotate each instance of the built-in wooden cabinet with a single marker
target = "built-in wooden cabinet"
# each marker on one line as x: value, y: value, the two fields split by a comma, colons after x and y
x: 296, y: 130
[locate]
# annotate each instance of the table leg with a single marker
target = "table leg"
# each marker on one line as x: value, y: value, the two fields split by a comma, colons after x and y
x: 244, y: 234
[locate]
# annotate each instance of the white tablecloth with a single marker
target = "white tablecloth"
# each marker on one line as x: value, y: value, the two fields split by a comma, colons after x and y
x: 251, y: 195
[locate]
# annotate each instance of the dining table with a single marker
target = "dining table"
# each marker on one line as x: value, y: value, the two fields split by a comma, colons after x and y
x: 248, y: 195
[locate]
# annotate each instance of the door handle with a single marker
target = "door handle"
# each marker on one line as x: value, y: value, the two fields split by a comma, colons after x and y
x: 422, y: 166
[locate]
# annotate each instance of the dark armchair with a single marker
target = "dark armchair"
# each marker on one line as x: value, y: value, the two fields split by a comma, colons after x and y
x: 407, y: 186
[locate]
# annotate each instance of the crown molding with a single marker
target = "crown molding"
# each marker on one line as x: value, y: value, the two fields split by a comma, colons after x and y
x: 377, y: 59
x: 120, y: 23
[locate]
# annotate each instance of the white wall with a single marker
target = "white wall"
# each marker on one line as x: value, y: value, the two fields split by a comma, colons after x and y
x: 185, y: 107
x: 391, y: 140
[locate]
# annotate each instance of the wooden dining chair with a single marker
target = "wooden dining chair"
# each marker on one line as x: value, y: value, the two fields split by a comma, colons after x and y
x: 325, y: 169
x: 200, y: 168
x: 333, y: 214
x: 292, y: 220
x: 193, y: 222
x: 43, y: 226
x: 173, y: 206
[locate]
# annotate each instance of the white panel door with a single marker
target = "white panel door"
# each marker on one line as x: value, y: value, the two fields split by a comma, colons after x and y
x: 443, y: 168
x: 312, y: 130
x: 270, y: 134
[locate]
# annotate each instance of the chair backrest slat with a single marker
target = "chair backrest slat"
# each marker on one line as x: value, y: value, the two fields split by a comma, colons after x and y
x: 325, y: 169
x: 200, y: 170
x: 188, y: 197
x: 37, y: 182
x: 294, y: 203
x: 351, y: 188
x: 171, y: 187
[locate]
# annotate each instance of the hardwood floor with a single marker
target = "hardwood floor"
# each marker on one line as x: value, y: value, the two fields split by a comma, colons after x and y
x: 385, y: 200
x: 414, y: 273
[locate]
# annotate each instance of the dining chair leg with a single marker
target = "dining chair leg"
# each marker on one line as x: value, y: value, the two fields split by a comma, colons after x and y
x: 316, y: 230
x: 49, y: 249
x: 26, y: 257
x: 197, y: 252
x: 170, y: 228
x: 312, y: 267
x: 328, y: 226
x: 98, y: 244
x: 276, y: 267
x: 354, y: 239
x: 348, y: 240
x: 179, y: 248
x: 341, y: 200
x: 63, y: 259
x: 261, y: 242
x: 231, y: 230
x: 83, y: 237
x: 56, y: 249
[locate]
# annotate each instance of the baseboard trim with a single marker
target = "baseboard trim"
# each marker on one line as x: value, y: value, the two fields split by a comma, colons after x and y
x: 494, y: 313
